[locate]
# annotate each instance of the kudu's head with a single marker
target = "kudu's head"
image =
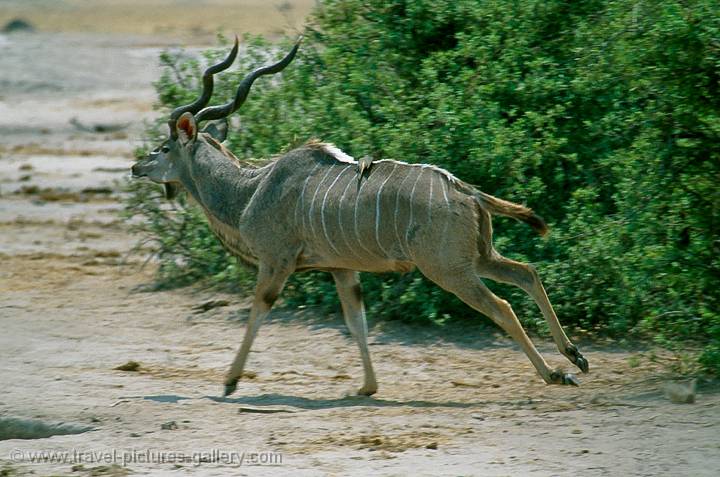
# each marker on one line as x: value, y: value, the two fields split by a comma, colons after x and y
x: 167, y: 163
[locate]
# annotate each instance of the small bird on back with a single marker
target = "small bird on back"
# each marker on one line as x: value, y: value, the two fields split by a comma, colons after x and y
x: 364, y: 164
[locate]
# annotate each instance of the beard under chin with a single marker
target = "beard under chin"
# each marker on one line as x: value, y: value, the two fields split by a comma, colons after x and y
x: 171, y: 190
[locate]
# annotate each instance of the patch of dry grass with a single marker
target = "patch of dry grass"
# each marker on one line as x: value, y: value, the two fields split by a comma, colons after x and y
x: 184, y: 19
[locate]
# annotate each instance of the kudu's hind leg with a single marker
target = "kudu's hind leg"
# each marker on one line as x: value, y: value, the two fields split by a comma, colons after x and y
x: 470, y: 289
x: 270, y: 282
x: 526, y: 277
x: 348, y: 287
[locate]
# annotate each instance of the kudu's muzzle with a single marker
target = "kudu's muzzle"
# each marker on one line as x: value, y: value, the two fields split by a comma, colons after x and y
x: 137, y: 171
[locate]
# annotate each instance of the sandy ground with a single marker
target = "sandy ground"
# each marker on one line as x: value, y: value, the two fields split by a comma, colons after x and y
x: 190, y: 20
x: 73, y: 306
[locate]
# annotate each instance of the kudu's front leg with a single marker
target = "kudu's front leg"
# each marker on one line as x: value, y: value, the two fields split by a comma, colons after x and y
x: 348, y: 287
x: 270, y: 282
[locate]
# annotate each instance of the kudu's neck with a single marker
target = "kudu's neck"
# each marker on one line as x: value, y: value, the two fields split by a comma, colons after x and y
x: 219, y: 183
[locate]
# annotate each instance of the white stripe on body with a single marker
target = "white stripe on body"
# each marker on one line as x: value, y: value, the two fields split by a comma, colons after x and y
x: 430, y: 201
x: 377, y: 211
x: 355, y: 216
x: 301, y: 202
x: 447, y: 215
x: 322, y: 210
x: 340, y: 225
x: 397, y: 209
x: 409, y: 225
x: 312, y: 202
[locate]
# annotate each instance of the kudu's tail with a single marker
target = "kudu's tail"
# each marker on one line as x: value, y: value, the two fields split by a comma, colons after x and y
x: 509, y: 209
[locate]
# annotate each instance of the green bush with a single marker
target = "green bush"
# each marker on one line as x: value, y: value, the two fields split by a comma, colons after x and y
x: 602, y: 116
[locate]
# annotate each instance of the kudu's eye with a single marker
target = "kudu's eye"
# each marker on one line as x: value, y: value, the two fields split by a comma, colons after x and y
x: 165, y: 149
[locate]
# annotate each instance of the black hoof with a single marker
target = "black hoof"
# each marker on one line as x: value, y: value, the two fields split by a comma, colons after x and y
x: 366, y: 391
x: 576, y: 358
x: 229, y: 388
x: 559, y: 377
x: 362, y: 392
x: 582, y: 364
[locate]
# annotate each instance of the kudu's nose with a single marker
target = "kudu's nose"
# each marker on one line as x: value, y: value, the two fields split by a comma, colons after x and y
x: 135, y: 170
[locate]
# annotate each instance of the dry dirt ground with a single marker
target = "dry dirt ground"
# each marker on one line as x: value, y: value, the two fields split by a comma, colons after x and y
x: 456, y: 401
x: 189, y: 20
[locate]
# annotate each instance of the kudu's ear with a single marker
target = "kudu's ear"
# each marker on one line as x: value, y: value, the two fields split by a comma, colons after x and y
x: 217, y: 129
x: 186, y: 129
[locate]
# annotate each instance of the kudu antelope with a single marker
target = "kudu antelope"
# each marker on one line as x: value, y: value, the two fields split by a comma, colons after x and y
x: 307, y: 210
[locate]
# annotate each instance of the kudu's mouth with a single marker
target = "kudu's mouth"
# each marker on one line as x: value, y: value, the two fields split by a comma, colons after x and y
x: 171, y: 190
x: 136, y: 172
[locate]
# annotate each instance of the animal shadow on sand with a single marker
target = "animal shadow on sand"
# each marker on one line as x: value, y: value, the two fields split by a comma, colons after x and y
x: 305, y: 403
x: 308, y: 404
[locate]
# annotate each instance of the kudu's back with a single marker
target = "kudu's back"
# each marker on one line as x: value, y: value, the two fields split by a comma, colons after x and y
x: 389, y: 219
